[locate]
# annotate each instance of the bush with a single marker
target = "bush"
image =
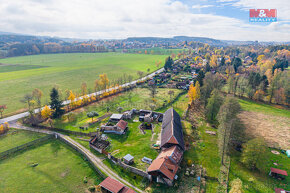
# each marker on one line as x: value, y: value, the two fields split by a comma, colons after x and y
x: 92, y: 188
x: 85, y: 180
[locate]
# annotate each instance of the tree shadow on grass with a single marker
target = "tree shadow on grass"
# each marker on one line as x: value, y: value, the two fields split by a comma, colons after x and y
x: 55, y: 147
x: 120, y: 138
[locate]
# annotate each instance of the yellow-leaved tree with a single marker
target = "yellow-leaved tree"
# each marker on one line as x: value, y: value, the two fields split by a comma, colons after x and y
x: 1, y: 129
x: 46, y: 112
x: 72, y: 98
x: 194, y: 92
x: 104, y: 81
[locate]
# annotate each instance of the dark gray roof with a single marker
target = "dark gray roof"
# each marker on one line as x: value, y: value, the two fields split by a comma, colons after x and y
x: 171, y: 127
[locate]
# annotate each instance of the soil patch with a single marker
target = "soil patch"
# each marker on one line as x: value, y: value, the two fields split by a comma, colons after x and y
x: 275, y: 130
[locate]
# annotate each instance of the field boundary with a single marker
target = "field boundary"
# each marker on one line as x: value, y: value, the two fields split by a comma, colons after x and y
x: 8, y: 153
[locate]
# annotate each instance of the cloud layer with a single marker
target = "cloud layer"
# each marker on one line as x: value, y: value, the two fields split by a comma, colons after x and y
x: 106, y: 19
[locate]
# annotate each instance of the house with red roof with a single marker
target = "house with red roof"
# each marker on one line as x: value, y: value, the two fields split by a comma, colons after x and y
x: 110, y: 185
x: 165, y: 166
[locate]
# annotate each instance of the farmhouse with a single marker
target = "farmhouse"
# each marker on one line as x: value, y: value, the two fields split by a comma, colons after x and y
x: 165, y: 166
x: 113, y: 186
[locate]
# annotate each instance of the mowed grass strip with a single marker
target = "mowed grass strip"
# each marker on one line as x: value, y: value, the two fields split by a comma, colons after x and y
x: 249, y: 105
x: 16, y: 138
x: 59, y: 169
x: 67, y: 71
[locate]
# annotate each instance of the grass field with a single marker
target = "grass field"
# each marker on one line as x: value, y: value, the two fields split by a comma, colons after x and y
x: 138, y: 98
x: 60, y: 169
x: 16, y: 137
x: 249, y: 105
x: 272, y: 124
x: 255, y: 181
x: 266, y: 121
x: 20, y: 75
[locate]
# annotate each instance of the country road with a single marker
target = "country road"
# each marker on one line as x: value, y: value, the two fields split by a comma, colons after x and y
x: 25, y: 114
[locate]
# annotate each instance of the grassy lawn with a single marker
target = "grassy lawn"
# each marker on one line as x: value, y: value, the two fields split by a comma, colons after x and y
x: 16, y: 137
x: 255, y: 181
x: 204, y: 152
x: 249, y: 105
x: 135, y: 143
x: 20, y: 75
x: 138, y: 98
x: 60, y: 169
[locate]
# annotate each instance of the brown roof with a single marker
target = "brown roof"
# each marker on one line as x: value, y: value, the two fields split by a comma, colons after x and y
x: 127, y: 190
x: 278, y: 171
x: 172, y: 129
x: 165, y: 166
x: 112, y: 185
x: 122, y: 124
x: 174, y: 153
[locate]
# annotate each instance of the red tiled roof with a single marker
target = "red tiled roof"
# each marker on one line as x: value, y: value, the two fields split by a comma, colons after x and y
x: 278, y: 171
x: 127, y: 190
x: 174, y: 153
x: 112, y: 185
x: 165, y: 166
x: 122, y: 124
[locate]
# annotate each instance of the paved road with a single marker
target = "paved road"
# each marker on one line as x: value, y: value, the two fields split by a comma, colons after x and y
x: 94, y: 159
x: 25, y: 114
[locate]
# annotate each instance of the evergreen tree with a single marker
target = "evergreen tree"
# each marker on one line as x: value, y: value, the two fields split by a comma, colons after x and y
x: 200, y: 77
x: 223, y: 61
x: 168, y: 63
x: 56, y: 104
x: 236, y: 62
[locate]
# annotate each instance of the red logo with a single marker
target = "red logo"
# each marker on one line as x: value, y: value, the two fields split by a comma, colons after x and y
x: 263, y: 15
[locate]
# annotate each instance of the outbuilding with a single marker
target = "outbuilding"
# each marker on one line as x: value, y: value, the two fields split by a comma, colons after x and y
x: 128, y: 159
x: 116, y: 117
x: 277, y: 173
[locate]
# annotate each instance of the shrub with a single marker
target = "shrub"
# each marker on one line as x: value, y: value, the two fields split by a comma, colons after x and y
x: 85, y: 180
x: 92, y: 188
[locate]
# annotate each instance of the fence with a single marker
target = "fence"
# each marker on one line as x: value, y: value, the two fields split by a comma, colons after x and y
x: 133, y: 169
x: 66, y: 131
x: 6, y: 154
x: 82, y: 153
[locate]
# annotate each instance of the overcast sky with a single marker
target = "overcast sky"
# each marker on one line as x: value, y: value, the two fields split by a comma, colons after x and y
x: 112, y: 19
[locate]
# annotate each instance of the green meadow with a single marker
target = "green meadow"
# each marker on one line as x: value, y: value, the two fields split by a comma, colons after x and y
x: 58, y: 168
x: 20, y: 75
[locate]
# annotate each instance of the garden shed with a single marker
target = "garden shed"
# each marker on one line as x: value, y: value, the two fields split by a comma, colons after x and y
x: 128, y: 159
x: 116, y: 117
x: 277, y: 173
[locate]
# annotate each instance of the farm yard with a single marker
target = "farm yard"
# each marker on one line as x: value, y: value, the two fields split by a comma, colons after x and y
x: 35, y: 170
x: 20, y: 75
